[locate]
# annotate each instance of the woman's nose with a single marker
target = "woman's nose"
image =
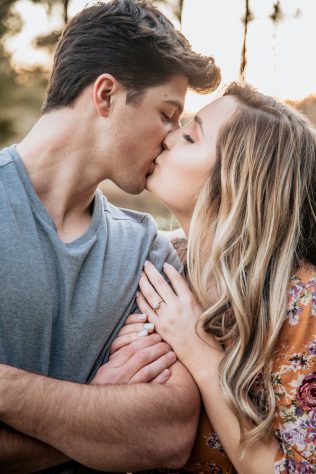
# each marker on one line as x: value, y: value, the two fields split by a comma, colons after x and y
x: 165, y: 144
x: 169, y: 140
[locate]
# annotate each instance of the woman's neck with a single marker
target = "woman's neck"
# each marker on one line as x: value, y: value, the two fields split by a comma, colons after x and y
x: 184, y: 220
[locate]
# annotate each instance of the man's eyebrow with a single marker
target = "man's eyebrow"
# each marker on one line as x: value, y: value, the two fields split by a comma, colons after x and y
x: 176, y: 103
x: 199, y: 121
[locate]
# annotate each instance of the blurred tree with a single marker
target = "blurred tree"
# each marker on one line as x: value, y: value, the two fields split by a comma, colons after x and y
x: 277, y: 16
x: 178, y: 10
x: 247, y: 18
x: 49, y: 4
x: 176, y: 7
x: 10, y: 24
x: 49, y: 40
x: 21, y: 92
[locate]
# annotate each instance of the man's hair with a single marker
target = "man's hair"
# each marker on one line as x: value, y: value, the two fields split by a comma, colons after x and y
x: 131, y: 40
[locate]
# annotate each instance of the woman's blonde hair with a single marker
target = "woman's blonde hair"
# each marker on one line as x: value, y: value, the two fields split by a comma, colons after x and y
x: 254, y: 221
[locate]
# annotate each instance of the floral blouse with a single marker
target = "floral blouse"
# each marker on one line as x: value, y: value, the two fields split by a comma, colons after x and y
x: 294, y: 380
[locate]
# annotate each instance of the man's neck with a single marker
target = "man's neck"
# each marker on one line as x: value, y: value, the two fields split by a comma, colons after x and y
x: 56, y: 156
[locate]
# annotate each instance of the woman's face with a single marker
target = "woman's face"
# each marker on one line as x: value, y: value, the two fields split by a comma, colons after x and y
x: 189, y: 155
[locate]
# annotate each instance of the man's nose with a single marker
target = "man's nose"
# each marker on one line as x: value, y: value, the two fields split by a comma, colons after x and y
x: 174, y: 126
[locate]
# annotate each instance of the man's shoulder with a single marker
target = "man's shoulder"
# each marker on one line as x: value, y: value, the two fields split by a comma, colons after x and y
x: 141, y: 230
x: 5, y: 156
x: 128, y: 216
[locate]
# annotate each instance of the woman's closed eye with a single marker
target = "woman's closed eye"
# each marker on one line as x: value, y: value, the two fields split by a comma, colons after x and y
x: 165, y: 117
x: 188, y: 138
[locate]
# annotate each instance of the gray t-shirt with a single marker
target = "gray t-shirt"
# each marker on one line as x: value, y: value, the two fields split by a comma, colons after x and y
x: 61, y: 304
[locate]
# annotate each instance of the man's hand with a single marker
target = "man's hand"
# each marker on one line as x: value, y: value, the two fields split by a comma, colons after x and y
x: 147, y: 359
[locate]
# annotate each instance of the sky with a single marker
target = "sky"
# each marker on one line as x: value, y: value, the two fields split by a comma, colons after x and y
x: 281, y: 60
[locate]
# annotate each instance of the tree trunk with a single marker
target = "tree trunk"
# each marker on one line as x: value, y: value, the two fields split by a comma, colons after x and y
x: 181, y: 4
x: 65, y: 7
x: 243, y: 61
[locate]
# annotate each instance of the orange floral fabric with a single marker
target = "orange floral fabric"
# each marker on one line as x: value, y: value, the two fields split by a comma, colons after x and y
x: 294, y: 380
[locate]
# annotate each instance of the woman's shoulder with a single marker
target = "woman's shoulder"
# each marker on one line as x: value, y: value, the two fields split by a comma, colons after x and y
x: 304, y: 275
x: 302, y: 295
x: 179, y: 241
x: 294, y: 371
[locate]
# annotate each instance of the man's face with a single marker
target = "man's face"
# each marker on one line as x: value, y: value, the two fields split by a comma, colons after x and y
x: 140, y: 130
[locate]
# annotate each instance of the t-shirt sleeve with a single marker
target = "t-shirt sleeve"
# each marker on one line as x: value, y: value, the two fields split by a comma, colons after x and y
x: 162, y: 251
x: 294, y: 380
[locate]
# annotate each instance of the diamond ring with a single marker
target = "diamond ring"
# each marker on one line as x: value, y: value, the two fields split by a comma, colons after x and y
x: 156, y: 305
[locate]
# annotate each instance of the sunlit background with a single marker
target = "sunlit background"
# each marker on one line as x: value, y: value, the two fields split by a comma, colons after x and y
x: 271, y: 44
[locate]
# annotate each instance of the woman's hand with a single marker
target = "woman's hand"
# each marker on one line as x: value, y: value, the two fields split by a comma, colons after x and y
x: 178, y: 311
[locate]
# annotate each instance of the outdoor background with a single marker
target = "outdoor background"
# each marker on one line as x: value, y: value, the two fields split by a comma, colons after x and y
x: 270, y: 44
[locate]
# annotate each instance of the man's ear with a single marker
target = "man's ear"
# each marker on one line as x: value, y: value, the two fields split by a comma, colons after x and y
x: 105, y: 87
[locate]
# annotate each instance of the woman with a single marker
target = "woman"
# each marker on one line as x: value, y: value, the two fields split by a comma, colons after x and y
x: 241, y: 180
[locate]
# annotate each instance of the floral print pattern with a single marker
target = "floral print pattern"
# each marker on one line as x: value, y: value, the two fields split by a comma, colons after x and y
x: 294, y: 380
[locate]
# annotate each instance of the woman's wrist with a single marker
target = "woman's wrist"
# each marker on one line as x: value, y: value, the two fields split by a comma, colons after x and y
x: 202, y: 360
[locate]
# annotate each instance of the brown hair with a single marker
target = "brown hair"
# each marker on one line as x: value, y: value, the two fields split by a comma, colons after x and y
x: 254, y: 222
x: 133, y: 41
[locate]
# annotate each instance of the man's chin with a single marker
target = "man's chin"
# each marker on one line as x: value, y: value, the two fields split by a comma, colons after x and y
x: 135, y: 188
x: 148, y: 182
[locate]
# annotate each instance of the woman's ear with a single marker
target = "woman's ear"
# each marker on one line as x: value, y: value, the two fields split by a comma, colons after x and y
x: 104, y: 88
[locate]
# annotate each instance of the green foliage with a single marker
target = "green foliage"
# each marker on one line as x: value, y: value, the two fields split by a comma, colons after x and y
x: 20, y: 104
x: 7, y: 84
x: 47, y: 41
x: 21, y: 94
x: 10, y: 23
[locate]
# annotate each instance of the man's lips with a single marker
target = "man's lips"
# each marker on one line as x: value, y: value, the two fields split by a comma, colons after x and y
x: 151, y: 169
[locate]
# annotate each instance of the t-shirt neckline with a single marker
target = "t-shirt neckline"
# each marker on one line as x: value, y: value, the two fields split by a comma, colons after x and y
x: 40, y: 209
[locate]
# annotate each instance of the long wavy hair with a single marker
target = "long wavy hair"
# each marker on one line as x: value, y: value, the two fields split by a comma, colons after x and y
x: 254, y: 222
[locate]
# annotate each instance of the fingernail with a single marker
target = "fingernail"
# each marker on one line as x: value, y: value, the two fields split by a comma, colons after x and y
x: 149, y: 326
x: 142, y: 333
x: 141, y: 317
x: 167, y: 265
x: 146, y: 263
x: 156, y: 338
x: 137, y: 294
x: 172, y: 356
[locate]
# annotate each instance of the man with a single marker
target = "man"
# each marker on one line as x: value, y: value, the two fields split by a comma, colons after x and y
x: 70, y: 262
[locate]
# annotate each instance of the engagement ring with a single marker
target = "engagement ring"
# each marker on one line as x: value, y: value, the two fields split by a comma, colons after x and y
x: 156, y: 305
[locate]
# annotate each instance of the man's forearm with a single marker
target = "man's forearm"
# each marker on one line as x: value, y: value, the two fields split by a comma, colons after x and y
x: 21, y: 454
x: 121, y: 427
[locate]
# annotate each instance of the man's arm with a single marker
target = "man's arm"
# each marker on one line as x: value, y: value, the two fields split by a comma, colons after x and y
x: 117, y: 427
x: 20, y: 453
